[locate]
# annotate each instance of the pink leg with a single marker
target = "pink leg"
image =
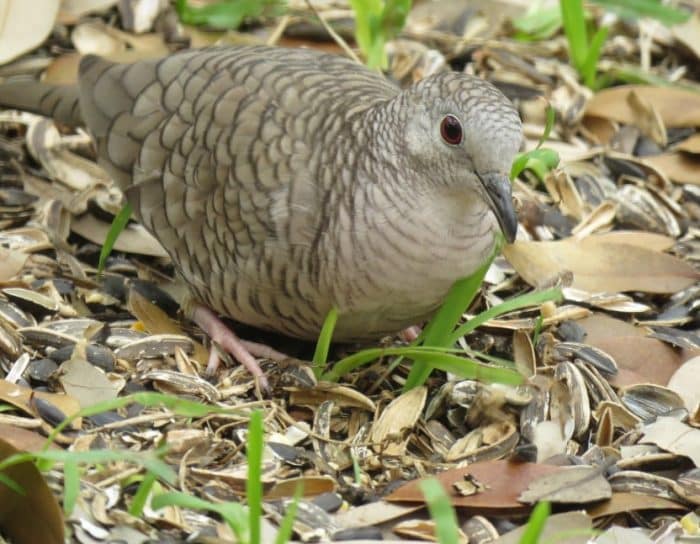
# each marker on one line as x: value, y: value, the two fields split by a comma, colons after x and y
x: 225, y: 337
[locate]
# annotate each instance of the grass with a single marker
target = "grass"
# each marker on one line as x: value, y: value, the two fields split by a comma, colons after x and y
x: 585, y: 41
x: 377, y: 22
x: 227, y: 14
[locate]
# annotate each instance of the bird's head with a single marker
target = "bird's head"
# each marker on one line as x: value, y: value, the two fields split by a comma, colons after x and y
x: 462, y: 133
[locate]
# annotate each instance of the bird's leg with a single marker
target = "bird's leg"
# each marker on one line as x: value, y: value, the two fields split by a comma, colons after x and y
x: 241, y: 350
x: 409, y: 334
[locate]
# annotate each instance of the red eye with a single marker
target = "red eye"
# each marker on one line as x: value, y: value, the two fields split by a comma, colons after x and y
x: 451, y: 130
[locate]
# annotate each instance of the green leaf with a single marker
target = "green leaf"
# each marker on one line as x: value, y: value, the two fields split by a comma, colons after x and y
x: 539, y: 23
x: 541, y: 160
x: 548, y: 125
x: 141, y: 495
x: 227, y: 14
x: 654, y: 9
x: 284, y: 533
x: 574, y: 20
x: 590, y: 64
x: 118, y: 225
x: 441, y: 511
x: 324, y: 342
x: 523, y: 301
x: 431, y: 358
x: 254, y: 487
x: 536, y: 523
x: 71, y: 486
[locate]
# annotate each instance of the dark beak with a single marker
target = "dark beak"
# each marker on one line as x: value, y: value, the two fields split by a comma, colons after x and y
x: 498, y: 191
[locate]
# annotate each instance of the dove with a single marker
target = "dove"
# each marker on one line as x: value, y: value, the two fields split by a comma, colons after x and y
x: 287, y: 182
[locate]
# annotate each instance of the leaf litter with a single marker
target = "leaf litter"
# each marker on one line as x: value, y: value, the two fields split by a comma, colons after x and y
x: 608, y: 396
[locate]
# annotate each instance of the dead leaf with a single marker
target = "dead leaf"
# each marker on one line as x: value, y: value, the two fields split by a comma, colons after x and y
x: 22, y: 398
x: 677, y: 107
x: 33, y: 516
x: 503, y: 483
x: 639, y: 359
x: 678, y: 167
x: 622, y: 502
x: 600, y: 266
x: 564, y: 528
x: 689, y: 34
x: 573, y: 485
x: 638, y: 238
x: 647, y: 118
x: 86, y: 383
x: 24, y: 439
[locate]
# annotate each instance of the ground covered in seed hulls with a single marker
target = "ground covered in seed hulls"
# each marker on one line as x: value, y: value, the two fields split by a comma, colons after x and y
x: 605, y: 426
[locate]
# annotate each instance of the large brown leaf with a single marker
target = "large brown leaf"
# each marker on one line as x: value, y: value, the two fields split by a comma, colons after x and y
x: 600, y: 266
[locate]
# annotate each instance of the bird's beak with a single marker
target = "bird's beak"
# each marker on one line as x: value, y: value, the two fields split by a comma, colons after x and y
x: 498, y: 191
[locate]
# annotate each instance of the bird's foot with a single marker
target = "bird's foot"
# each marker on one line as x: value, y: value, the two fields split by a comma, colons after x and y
x: 409, y: 334
x: 241, y: 350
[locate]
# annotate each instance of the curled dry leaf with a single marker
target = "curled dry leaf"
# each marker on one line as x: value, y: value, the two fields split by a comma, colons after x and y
x: 573, y: 485
x: 599, y: 266
x: 676, y: 107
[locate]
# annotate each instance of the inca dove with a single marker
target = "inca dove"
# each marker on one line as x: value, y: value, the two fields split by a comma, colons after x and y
x: 287, y: 182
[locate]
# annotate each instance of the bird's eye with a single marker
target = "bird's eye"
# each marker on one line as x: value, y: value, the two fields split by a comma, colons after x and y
x: 451, y: 130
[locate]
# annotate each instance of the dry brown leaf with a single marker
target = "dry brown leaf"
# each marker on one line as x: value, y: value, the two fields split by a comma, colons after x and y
x: 33, y: 516
x: 689, y: 34
x: 638, y: 238
x: 639, y: 359
x: 600, y: 266
x: 690, y: 145
x: 677, y: 107
x: 503, y: 483
x: 648, y: 119
x: 564, y: 528
x: 678, y: 167
x: 621, y: 502
x: 24, y: 439
x: 573, y: 485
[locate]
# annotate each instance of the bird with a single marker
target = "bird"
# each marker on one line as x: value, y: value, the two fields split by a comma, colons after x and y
x: 285, y: 183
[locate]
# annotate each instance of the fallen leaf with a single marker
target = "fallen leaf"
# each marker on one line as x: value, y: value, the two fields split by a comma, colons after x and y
x: 622, y: 502
x: 678, y: 167
x: 22, y: 398
x: 623, y: 535
x: 34, y: 515
x: 564, y: 528
x: 600, y: 266
x: 639, y: 359
x: 573, y: 485
x: 86, y: 383
x: 503, y: 483
x: 677, y: 107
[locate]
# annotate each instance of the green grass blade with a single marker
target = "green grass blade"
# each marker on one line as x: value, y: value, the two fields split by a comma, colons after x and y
x: 141, y: 496
x: 539, y: 23
x: 118, y: 225
x: 574, y: 21
x: 71, y: 486
x: 548, y: 125
x: 439, y: 328
x: 654, y: 9
x: 227, y: 14
x: 431, y: 357
x: 254, y: 487
x: 536, y: 523
x: 13, y: 485
x: 523, y: 301
x: 323, y: 343
x: 441, y: 511
x: 590, y: 65
x: 539, y: 160
x: 284, y: 533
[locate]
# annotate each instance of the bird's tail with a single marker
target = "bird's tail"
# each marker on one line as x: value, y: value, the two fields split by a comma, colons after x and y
x: 61, y: 102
